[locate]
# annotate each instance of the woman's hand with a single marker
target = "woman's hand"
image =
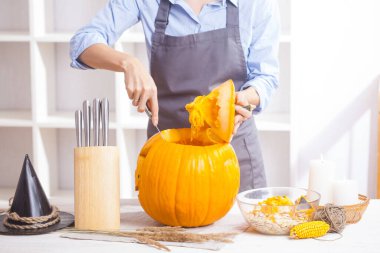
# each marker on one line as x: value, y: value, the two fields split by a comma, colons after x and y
x: 139, y: 84
x: 243, y: 98
x: 140, y: 87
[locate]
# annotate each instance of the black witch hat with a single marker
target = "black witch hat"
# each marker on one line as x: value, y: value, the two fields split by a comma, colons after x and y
x: 31, y: 212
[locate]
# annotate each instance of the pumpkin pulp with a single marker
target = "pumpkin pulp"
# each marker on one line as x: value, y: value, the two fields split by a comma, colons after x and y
x: 212, y: 116
x: 184, y: 137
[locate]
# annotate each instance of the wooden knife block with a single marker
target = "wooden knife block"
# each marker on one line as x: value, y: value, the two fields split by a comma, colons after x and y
x: 97, y: 188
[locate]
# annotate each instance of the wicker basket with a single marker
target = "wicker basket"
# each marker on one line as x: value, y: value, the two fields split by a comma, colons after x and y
x: 355, y: 212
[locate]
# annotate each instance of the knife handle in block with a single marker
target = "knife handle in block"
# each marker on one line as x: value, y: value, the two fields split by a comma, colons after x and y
x: 78, y: 127
x: 105, y: 120
x: 87, y: 122
x: 96, y: 120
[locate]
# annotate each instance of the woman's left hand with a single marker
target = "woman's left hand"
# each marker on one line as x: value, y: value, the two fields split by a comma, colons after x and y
x: 244, y: 98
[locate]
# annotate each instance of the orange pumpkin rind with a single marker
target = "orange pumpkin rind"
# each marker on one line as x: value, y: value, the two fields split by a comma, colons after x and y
x: 182, y: 183
x: 214, y: 114
x: 190, y: 177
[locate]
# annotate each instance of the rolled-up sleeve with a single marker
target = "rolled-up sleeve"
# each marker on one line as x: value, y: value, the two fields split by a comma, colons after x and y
x: 262, y: 58
x: 106, y: 28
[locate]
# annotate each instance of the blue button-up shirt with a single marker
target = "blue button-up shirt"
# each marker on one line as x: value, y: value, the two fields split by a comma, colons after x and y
x: 259, y: 31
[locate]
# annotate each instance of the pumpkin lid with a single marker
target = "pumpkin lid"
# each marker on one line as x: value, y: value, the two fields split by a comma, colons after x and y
x: 212, y: 116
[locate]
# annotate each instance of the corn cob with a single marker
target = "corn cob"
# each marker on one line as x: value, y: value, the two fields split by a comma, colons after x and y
x: 311, y: 229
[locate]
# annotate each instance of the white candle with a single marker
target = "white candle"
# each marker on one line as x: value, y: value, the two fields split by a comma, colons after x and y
x: 321, y: 175
x: 345, y: 192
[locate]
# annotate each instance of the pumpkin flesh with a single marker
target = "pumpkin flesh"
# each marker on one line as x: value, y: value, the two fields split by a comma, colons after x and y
x: 212, y: 116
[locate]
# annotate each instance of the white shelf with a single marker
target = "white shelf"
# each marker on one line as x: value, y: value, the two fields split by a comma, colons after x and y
x: 66, y: 120
x: 14, y: 37
x: 15, y: 119
x: 54, y: 37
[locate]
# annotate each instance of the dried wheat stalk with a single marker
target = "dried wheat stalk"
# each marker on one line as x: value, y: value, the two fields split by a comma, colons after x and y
x: 161, y: 229
x: 152, y: 235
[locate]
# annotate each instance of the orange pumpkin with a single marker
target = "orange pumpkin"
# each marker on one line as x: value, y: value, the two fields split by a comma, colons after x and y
x: 191, y: 179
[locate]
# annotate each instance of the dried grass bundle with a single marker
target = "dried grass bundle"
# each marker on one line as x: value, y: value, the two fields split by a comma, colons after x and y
x: 153, y: 235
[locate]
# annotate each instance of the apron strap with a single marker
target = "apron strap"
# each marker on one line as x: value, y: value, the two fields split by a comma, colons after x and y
x: 232, y: 15
x: 162, y: 18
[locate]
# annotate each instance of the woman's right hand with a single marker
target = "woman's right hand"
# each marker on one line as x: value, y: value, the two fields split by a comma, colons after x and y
x: 139, y: 84
x: 140, y: 87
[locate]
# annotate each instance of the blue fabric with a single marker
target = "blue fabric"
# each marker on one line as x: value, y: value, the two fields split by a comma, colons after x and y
x: 259, y: 30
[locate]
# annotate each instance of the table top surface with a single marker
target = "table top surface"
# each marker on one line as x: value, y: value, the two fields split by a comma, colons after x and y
x: 361, y: 237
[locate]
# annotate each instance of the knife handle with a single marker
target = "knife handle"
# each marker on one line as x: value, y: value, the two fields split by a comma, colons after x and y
x: 96, y: 120
x: 148, y: 112
x: 87, y: 122
x: 249, y: 107
x: 105, y: 120
x: 78, y: 127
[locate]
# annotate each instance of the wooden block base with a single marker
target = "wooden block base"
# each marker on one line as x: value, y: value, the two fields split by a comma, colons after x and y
x: 97, y: 188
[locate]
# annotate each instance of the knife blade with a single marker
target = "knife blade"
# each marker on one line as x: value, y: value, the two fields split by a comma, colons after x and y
x: 96, y: 120
x: 87, y: 122
x: 105, y: 120
x: 149, y: 113
x: 78, y: 127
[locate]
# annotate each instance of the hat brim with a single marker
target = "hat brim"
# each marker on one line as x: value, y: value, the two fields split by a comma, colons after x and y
x: 66, y: 220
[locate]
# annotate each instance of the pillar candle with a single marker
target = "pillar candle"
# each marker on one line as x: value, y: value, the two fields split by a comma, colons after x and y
x: 345, y: 192
x: 321, y: 175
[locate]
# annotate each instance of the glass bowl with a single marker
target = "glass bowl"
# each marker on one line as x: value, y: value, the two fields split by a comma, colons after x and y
x: 279, y: 219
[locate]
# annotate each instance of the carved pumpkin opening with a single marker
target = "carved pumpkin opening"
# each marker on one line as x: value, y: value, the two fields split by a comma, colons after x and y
x: 183, y: 137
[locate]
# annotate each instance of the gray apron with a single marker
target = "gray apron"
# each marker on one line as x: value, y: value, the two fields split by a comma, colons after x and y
x: 189, y: 66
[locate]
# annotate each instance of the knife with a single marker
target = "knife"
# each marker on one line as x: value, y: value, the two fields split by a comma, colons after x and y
x: 78, y: 127
x: 105, y: 120
x: 149, y: 113
x: 96, y: 120
x: 87, y: 122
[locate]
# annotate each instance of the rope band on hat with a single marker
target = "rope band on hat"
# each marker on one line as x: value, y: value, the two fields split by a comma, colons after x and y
x: 32, y: 222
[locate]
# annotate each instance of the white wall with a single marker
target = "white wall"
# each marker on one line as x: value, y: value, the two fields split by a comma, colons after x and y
x: 336, y: 76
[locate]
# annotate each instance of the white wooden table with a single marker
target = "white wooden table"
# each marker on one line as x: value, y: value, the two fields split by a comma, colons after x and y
x: 363, y: 237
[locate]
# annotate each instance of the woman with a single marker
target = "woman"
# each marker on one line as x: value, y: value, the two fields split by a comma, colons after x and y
x: 193, y: 45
